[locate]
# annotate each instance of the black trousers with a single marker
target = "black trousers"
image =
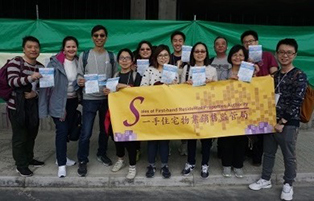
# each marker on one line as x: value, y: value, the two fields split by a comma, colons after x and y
x: 206, y: 145
x: 23, y: 138
x: 130, y: 147
x: 233, y: 150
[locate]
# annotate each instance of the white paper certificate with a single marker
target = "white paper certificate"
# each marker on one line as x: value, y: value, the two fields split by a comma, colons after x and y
x: 48, y: 77
x: 91, y: 83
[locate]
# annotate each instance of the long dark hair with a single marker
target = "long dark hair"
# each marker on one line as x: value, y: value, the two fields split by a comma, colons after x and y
x: 159, y: 49
x: 192, y: 59
x: 236, y: 49
x: 138, y: 49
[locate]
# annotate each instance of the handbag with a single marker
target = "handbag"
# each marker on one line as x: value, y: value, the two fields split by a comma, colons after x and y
x: 75, y: 129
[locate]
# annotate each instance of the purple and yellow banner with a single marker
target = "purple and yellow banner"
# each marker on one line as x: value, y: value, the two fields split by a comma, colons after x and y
x: 224, y: 108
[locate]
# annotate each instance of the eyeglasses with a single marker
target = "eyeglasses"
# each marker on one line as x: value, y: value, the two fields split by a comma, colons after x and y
x: 288, y: 53
x: 199, y: 51
x: 249, y: 41
x: 125, y: 58
x: 163, y: 56
x: 143, y: 49
x: 97, y: 35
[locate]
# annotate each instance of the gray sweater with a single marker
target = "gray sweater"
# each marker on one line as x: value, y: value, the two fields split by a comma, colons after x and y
x: 96, y: 64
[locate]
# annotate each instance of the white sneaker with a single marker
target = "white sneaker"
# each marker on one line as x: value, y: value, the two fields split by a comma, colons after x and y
x: 62, y: 171
x: 69, y: 162
x: 226, y: 172
x: 287, y: 192
x: 132, y: 173
x: 118, y: 165
x: 261, y: 183
x: 238, y: 172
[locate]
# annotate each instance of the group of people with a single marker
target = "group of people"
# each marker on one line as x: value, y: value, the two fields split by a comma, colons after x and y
x: 28, y: 103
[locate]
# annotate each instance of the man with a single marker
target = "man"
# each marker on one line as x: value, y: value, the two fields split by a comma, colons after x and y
x: 220, y: 60
x: 23, y: 77
x: 290, y: 85
x: 267, y: 66
x: 95, y: 61
x: 177, y: 40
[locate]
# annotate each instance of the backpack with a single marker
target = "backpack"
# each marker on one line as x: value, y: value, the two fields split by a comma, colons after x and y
x: 307, y: 106
x: 85, y: 57
x: 5, y: 89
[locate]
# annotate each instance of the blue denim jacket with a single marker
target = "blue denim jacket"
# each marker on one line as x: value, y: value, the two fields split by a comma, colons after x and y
x: 52, y: 101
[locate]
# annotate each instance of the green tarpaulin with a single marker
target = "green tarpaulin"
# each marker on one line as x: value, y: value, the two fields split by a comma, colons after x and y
x: 128, y: 33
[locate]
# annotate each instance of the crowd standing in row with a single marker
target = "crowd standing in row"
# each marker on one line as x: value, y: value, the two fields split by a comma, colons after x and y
x: 61, y: 101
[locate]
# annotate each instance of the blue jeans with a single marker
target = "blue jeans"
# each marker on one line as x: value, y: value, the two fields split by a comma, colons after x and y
x: 287, y: 140
x: 62, y: 130
x: 153, y: 146
x: 90, y: 108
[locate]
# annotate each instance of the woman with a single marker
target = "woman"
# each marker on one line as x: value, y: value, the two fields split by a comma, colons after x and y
x: 127, y: 78
x: 152, y: 76
x: 233, y: 148
x: 60, y: 101
x: 144, y: 50
x: 199, y: 57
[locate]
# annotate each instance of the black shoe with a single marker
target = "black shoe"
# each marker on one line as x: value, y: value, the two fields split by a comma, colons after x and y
x: 150, y: 171
x: 82, y: 170
x: 36, y: 163
x: 187, y: 169
x: 165, y: 172
x: 105, y: 160
x: 24, y: 171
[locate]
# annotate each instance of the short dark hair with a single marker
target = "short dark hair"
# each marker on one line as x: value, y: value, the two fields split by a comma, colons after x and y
x: 249, y: 32
x: 97, y: 28
x: 68, y: 38
x: 125, y: 50
x: 192, y: 59
x: 288, y: 41
x: 177, y: 33
x: 236, y: 49
x: 156, y: 52
x: 30, y: 38
x: 220, y: 37
x: 137, y: 51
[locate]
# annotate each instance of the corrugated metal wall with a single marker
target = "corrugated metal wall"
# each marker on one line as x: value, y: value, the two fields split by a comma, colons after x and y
x: 66, y: 9
x: 265, y: 12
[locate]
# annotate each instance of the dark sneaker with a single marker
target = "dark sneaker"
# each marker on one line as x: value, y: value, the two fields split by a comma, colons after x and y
x: 150, y: 171
x: 36, y: 163
x: 204, y: 171
x: 82, y: 170
x: 105, y: 160
x: 187, y: 169
x: 24, y: 171
x: 165, y: 172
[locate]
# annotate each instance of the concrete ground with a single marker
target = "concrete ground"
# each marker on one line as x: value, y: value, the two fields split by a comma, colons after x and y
x: 101, y: 176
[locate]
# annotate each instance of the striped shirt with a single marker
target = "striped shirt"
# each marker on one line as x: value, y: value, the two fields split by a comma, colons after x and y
x: 18, y: 78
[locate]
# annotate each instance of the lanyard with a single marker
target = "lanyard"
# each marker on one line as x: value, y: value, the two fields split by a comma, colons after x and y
x: 279, y: 82
x: 129, y: 78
